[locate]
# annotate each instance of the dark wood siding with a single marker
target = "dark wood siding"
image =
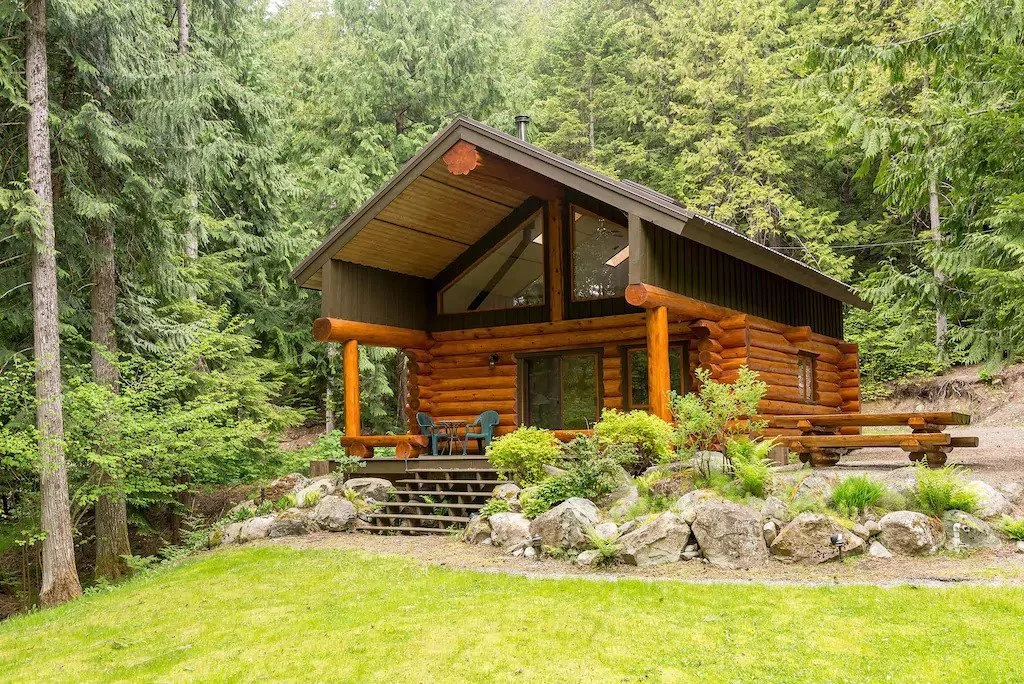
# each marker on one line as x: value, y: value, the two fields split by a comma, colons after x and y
x: 690, y: 268
x: 372, y: 295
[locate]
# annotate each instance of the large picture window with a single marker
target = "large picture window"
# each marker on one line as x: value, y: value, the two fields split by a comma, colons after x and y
x: 600, y: 256
x: 561, y: 391
x: 637, y: 393
x: 510, y: 276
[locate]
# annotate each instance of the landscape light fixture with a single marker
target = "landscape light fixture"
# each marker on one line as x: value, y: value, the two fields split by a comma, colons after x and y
x: 839, y: 541
x: 492, y: 360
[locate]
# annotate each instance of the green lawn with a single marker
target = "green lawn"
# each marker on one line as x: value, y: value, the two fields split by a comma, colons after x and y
x: 281, y: 614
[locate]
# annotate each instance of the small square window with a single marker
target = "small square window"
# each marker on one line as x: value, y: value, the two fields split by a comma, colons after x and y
x: 807, y: 381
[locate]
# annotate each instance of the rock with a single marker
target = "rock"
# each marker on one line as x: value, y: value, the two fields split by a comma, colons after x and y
x: 964, y: 531
x: 673, y: 486
x: 808, y: 540
x: 668, y: 468
x: 529, y: 552
x: 687, y: 504
x: 628, y: 526
x: 567, y: 525
x: 861, y: 531
x: 903, y: 481
x: 287, y: 484
x: 230, y: 533
x: 1014, y: 492
x: 907, y: 533
x: 510, y: 530
x: 656, y: 543
x: 553, y: 471
x: 623, y: 488
x: 291, y: 524
x: 873, y: 527
x: 370, y: 488
x: 606, y: 530
x: 622, y: 506
x: 506, y: 492
x: 816, y: 486
x: 255, y: 528
x: 771, y: 531
x: 477, y: 531
x: 245, y: 505
x: 775, y: 509
x: 707, y: 462
x: 334, y: 514
x: 590, y: 557
x: 520, y: 551
x: 690, y: 552
x: 324, y: 485
x: 729, y: 534
x: 991, y: 504
x: 876, y: 550
x: 1020, y: 547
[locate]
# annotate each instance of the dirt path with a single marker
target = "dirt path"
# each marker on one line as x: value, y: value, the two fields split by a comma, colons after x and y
x: 1001, y: 567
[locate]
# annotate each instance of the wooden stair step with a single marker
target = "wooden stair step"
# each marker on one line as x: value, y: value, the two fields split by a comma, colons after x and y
x: 447, y: 492
x: 451, y: 482
x: 402, y: 530
x: 421, y: 504
x: 419, y: 516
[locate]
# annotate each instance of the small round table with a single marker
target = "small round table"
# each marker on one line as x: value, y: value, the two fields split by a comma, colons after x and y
x: 450, y: 428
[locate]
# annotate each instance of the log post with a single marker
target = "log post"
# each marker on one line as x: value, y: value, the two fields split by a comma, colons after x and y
x: 350, y: 361
x: 658, y: 381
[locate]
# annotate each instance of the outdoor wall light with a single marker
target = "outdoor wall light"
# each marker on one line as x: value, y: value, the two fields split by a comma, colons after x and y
x: 492, y: 360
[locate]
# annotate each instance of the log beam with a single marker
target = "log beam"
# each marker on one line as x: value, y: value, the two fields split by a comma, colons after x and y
x: 340, y: 330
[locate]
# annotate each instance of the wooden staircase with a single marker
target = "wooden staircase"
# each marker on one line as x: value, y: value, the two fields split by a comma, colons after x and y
x: 435, y: 496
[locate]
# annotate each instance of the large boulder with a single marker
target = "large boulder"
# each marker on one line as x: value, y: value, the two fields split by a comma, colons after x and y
x: 991, y: 503
x: 477, y: 531
x: 291, y: 523
x: 606, y: 530
x: 226, y: 535
x: 964, y: 531
x: 729, y: 534
x: 334, y: 514
x: 808, y: 540
x: 658, y: 542
x: 908, y: 533
x: 255, y: 528
x: 708, y: 462
x: 322, y: 485
x: 673, y: 486
x: 286, y: 484
x: 775, y: 509
x: 623, y: 487
x: 623, y: 505
x: 688, y: 504
x: 370, y: 488
x: 506, y: 492
x: 567, y: 525
x: 510, y: 531
x: 818, y: 486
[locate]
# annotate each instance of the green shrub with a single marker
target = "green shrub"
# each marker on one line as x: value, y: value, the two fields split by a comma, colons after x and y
x: 712, y: 417
x: 749, y: 462
x: 521, y: 455
x: 645, y: 483
x: 311, y: 498
x: 285, y: 502
x: 647, y: 505
x: 608, y: 548
x: 264, y: 508
x: 1012, y: 528
x: 592, y: 470
x: 648, y: 435
x: 242, y: 514
x: 494, y: 505
x: 855, y: 494
x: 328, y: 448
x: 943, y: 489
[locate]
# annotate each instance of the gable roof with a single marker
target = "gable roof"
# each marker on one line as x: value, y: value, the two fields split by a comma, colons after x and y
x: 648, y: 204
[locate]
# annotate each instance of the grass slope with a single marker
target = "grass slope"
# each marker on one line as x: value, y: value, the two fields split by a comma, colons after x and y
x: 282, y: 614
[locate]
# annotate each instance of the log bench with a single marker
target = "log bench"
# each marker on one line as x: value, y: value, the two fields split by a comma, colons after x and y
x: 824, y: 439
x: 406, y: 446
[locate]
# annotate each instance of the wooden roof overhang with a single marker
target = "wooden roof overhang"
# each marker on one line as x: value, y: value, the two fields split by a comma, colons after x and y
x: 425, y: 217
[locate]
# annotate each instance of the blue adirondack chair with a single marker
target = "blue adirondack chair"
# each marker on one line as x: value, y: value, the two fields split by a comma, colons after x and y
x: 484, y: 432
x: 429, y: 429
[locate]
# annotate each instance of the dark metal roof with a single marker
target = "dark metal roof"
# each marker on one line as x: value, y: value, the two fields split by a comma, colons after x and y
x: 648, y: 204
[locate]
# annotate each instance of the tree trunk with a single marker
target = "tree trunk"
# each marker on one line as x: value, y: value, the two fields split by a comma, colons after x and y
x: 60, y: 577
x: 191, y: 239
x: 182, y: 27
x: 330, y: 416
x: 934, y: 221
x: 590, y: 118
x: 111, y: 511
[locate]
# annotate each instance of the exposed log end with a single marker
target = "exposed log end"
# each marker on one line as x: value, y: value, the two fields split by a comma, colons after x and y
x: 462, y: 158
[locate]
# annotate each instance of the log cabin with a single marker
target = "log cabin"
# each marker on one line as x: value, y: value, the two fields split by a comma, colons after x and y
x: 518, y: 281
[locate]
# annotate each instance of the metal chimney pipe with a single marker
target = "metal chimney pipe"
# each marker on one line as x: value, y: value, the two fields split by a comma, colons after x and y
x: 522, y: 121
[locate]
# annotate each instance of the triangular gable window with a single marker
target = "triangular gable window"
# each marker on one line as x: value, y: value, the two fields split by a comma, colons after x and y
x: 511, y: 275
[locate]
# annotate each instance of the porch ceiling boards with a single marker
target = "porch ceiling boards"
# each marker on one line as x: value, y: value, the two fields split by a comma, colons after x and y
x: 430, y: 223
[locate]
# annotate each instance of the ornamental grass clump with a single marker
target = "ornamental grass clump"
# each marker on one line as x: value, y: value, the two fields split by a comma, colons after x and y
x: 855, y: 494
x: 943, y: 489
x: 649, y: 436
x: 521, y: 455
x: 1012, y: 528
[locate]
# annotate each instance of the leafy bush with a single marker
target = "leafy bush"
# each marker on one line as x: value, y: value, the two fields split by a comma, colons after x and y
x: 608, y: 548
x: 1012, y: 528
x: 311, y: 499
x: 718, y: 413
x: 855, y: 494
x: 645, y: 483
x: 749, y: 462
x: 328, y: 448
x: 648, y: 504
x: 264, y: 508
x: 943, y: 489
x: 591, y: 471
x: 521, y: 455
x: 285, y: 502
x: 494, y: 505
x: 242, y: 514
x: 649, y: 435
